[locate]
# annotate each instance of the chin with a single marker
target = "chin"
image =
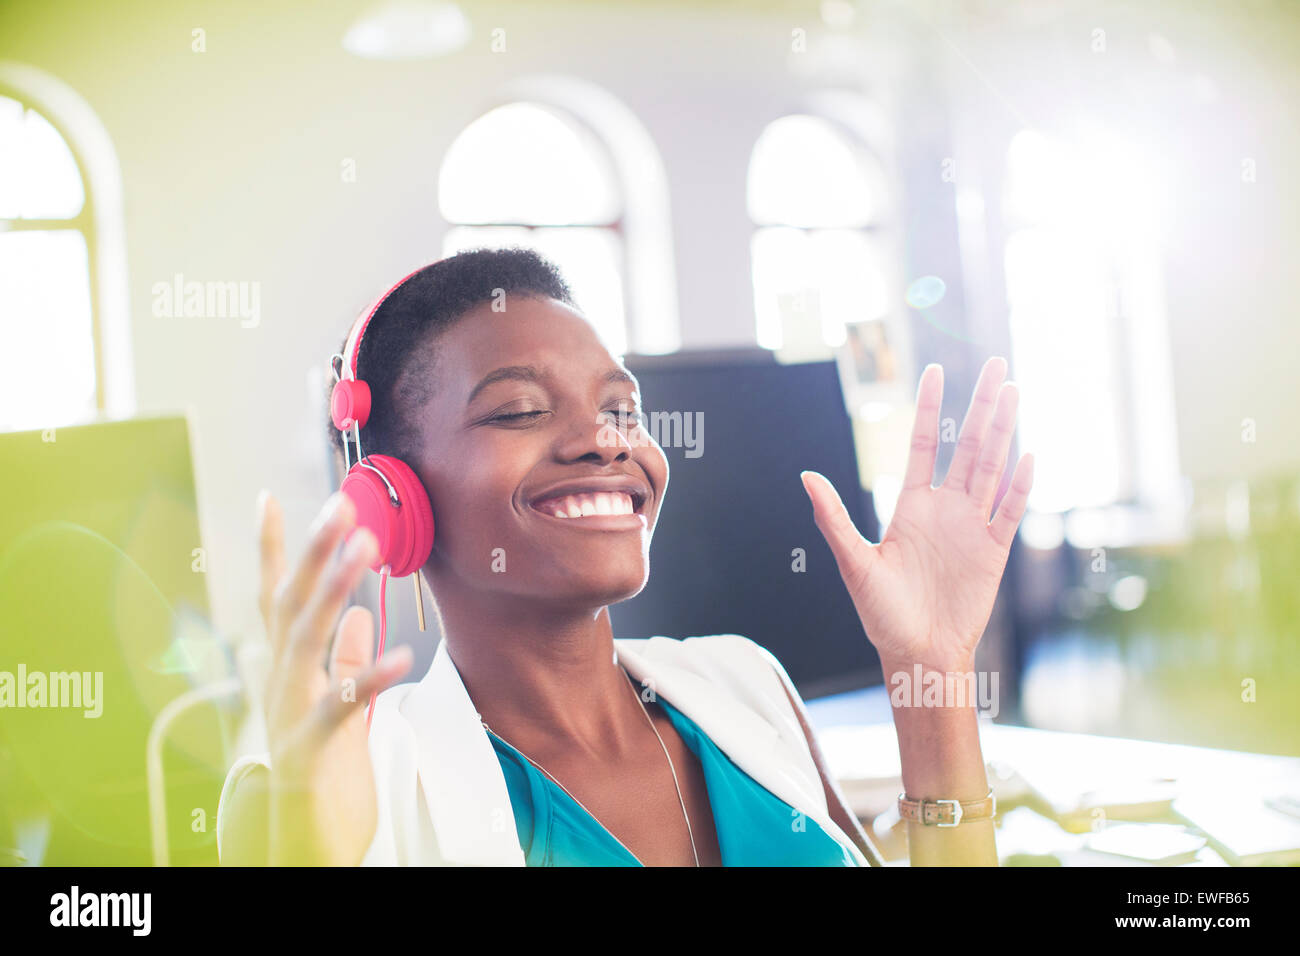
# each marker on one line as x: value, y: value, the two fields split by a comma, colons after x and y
x: 605, y: 590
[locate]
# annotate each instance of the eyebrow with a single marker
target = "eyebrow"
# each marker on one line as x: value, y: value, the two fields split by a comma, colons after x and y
x: 531, y: 373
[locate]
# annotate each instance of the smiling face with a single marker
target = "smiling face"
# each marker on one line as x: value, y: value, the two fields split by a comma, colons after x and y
x: 532, y: 417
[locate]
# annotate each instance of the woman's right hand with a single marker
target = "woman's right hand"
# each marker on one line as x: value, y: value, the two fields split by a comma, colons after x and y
x: 322, y: 806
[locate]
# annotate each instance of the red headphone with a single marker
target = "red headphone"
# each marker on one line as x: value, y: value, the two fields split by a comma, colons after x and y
x: 390, y: 500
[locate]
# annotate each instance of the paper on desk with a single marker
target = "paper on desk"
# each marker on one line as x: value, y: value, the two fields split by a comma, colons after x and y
x: 1160, y: 843
x: 1083, y: 778
x: 1243, y: 827
x: 1023, y: 832
x: 864, y: 760
x: 1077, y: 774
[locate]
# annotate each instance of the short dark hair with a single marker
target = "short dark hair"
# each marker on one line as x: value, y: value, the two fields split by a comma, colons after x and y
x: 397, y: 358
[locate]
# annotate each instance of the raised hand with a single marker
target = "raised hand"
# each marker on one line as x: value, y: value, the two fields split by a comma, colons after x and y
x: 322, y: 807
x: 925, y: 592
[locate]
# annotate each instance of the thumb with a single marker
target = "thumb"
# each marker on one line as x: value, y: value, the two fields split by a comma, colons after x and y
x: 854, y: 554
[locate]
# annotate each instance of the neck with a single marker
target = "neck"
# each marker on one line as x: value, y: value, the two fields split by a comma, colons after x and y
x: 542, y: 676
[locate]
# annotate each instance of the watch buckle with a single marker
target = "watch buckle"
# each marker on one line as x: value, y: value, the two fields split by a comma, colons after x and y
x: 956, y: 813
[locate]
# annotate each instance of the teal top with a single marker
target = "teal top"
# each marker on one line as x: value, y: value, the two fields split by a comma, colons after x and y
x: 754, y: 827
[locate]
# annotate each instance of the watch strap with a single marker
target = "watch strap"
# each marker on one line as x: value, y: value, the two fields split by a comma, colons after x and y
x: 946, y: 813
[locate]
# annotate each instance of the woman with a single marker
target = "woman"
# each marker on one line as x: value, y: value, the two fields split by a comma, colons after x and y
x: 521, y: 426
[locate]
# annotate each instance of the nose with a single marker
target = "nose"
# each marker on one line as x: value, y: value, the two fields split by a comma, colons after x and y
x: 592, y: 438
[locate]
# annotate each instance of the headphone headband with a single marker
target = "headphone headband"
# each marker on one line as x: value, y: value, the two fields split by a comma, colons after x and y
x: 353, y: 347
x: 350, y: 400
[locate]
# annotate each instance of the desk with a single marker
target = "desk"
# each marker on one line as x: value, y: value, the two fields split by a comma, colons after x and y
x: 1057, y: 791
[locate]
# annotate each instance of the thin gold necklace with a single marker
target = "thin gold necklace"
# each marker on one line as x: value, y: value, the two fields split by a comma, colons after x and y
x: 651, y: 722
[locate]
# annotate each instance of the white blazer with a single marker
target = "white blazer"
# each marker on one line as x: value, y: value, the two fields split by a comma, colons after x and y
x: 442, y: 796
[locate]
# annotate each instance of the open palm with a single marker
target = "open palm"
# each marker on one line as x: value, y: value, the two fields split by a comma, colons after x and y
x: 925, y: 592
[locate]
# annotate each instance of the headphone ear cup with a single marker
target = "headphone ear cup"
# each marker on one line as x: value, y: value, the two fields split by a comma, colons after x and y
x: 350, y: 404
x: 405, y: 532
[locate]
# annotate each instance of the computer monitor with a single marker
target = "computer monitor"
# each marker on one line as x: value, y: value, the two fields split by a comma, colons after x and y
x: 736, y: 519
x: 104, y: 620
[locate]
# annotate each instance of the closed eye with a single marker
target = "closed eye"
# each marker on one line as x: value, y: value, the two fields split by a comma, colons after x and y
x: 630, y: 417
x: 516, y: 416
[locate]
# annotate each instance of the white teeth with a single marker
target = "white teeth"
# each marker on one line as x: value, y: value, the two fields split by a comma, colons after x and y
x: 588, y: 505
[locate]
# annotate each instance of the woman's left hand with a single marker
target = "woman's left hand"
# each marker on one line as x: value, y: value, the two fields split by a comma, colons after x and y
x: 925, y: 592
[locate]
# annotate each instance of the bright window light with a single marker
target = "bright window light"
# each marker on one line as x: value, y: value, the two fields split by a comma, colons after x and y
x: 588, y: 259
x: 39, y: 178
x: 1088, y: 329
x: 528, y: 175
x: 817, y: 196
x: 1065, y: 357
x: 45, y: 304
x: 525, y: 163
x: 805, y: 172
x: 830, y: 276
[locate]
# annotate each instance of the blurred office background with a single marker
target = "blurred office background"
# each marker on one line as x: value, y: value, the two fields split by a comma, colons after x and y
x: 1101, y: 191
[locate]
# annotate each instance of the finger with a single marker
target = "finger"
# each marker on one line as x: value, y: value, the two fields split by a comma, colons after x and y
x: 313, y: 626
x: 853, y: 553
x: 270, y: 524
x: 1012, y: 509
x: 993, y: 456
x: 925, y: 430
x: 334, y: 521
x: 349, y: 697
x: 976, y: 423
x: 354, y: 645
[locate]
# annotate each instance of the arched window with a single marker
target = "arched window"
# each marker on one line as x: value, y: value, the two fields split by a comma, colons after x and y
x: 551, y: 170
x: 1088, y: 328
x: 527, y: 174
x: 44, y: 276
x: 817, y: 196
x: 62, y: 281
